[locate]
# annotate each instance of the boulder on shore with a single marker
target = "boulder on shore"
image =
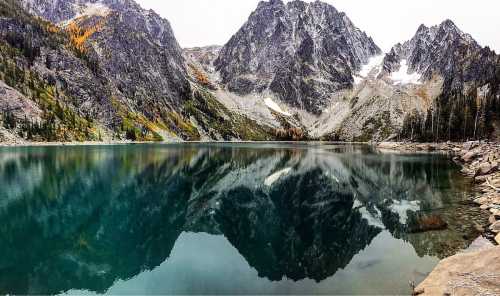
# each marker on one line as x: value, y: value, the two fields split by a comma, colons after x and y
x: 487, y: 168
x: 475, y: 273
x: 469, y: 156
x: 495, y: 227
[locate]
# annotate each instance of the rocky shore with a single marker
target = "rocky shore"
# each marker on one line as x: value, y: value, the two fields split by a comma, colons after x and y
x: 475, y: 271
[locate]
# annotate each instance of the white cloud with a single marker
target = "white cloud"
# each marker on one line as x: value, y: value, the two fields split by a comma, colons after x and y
x: 206, y: 22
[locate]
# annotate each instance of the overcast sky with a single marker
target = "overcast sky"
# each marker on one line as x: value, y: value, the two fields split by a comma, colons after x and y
x: 210, y: 22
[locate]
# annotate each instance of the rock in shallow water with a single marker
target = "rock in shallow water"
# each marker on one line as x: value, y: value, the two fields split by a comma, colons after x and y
x: 479, y: 244
x: 428, y: 223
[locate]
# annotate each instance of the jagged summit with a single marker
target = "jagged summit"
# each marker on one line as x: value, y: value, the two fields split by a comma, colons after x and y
x: 59, y: 11
x: 300, y: 52
x: 443, y: 50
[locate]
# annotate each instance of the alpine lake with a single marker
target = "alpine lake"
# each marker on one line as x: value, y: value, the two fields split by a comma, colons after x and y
x: 268, y: 218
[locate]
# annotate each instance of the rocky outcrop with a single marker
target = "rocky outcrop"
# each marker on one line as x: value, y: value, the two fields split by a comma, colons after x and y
x: 464, y: 274
x: 300, y: 52
x: 15, y: 104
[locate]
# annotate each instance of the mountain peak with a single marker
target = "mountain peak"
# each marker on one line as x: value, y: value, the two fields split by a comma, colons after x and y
x: 300, y: 52
x: 270, y: 3
x: 422, y: 28
x: 448, y: 23
x: 433, y: 50
x: 64, y: 11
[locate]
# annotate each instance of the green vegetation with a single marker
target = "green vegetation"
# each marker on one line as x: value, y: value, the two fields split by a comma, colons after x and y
x: 214, y: 117
x: 59, y: 122
x: 379, y: 125
x: 135, y: 126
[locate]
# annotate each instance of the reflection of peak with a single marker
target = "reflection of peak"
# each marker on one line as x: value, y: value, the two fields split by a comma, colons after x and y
x: 303, y: 219
x: 309, y: 222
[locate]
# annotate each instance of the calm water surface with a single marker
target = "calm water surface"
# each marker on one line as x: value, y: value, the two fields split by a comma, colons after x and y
x: 225, y: 219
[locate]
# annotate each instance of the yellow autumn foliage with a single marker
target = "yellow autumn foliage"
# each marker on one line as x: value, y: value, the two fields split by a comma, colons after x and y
x: 78, y: 35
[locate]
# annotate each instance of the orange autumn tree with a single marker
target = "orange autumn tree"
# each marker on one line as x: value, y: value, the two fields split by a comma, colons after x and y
x: 200, y: 76
x: 79, y: 35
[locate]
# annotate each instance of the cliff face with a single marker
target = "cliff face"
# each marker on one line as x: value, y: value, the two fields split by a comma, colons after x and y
x: 300, y: 52
x: 106, y: 70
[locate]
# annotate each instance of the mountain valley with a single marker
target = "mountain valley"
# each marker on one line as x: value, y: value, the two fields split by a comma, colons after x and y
x: 103, y: 70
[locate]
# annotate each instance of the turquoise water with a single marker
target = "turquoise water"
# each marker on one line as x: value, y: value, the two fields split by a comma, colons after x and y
x: 225, y: 219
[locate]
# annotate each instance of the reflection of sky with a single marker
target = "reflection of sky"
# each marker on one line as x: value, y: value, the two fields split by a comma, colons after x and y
x: 91, y: 178
x: 206, y: 264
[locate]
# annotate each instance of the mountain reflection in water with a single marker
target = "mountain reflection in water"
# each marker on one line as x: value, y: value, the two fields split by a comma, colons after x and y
x: 218, y: 219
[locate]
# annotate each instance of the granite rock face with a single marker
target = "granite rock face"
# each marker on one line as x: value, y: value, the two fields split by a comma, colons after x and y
x: 446, y: 51
x: 135, y: 49
x: 465, y: 274
x: 300, y: 52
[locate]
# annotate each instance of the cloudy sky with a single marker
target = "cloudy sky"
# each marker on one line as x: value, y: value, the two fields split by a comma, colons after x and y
x: 208, y: 22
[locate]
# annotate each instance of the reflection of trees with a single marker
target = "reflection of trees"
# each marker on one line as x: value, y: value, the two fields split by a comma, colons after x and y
x: 85, y: 217
x: 385, y: 182
x: 95, y: 225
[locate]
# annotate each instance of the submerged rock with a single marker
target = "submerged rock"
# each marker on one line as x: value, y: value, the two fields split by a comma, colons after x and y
x: 428, y: 223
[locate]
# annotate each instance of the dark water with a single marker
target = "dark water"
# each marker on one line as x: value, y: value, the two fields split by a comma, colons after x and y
x: 224, y: 219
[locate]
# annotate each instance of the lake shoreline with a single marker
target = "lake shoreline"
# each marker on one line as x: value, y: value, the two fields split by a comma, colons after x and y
x: 118, y: 142
x: 478, y: 269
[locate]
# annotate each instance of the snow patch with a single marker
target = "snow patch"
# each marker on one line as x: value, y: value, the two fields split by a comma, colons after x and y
x: 402, y: 76
x: 276, y: 176
x: 374, y: 64
x: 275, y: 107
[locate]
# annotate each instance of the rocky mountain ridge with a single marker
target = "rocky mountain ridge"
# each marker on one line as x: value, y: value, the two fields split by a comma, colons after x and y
x: 121, y: 74
x: 442, y: 50
x: 106, y: 69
